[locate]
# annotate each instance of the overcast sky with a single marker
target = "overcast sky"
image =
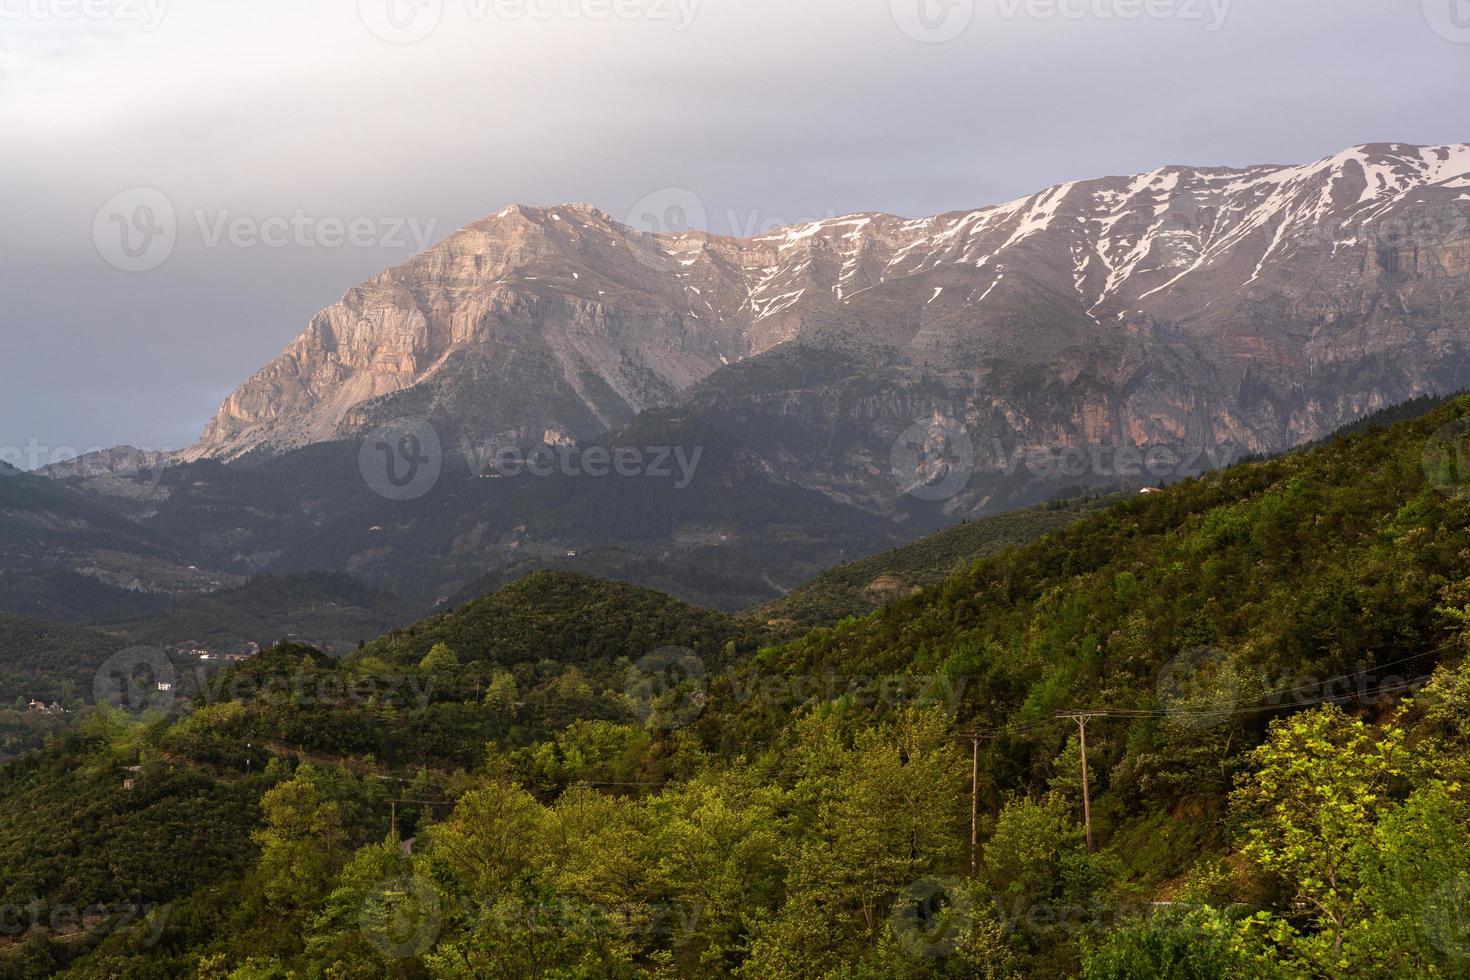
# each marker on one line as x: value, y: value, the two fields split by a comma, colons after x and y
x: 413, y: 117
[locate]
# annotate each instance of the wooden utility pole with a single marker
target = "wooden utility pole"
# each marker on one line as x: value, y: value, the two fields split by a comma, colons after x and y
x: 974, y: 802
x: 1081, y: 720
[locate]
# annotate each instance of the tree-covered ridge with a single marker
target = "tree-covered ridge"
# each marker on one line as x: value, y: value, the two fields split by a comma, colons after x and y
x: 1331, y: 560
x: 330, y: 609
x: 866, y: 585
x: 1322, y: 564
x: 1269, y: 793
x: 567, y: 618
x: 49, y: 661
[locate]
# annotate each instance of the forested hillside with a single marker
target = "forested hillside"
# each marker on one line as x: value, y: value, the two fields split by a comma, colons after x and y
x: 334, y: 611
x: 572, y: 778
x: 863, y: 586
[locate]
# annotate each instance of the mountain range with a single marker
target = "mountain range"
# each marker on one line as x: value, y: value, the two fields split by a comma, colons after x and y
x: 845, y: 385
x: 1261, y: 306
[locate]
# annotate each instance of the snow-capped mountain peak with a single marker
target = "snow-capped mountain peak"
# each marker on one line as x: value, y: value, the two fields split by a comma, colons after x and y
x: 617, y: 319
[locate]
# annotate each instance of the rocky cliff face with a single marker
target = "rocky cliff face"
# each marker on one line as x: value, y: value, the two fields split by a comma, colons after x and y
x: 1260, y: 307
x: 529, y: 321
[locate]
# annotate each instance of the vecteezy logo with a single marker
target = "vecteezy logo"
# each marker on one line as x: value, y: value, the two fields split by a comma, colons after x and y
x: 400, y: 917
x: 136, y: 231
x: 1447, y: 459
x: 669, y: 211
x: 1450, y: 19
x: 402, y: 460
x: 401, y: 21
x: 929, y: 916
x: 137, y: 680
x: 933, y: 459
x: 667, y: 688
x: 933, y: 21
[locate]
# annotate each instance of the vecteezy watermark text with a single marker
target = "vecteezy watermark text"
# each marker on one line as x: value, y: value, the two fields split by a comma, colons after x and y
x: 1115, y: 461
x: 304, y: 230
x: 1412, y: 225
x: 410, y: 21
x: 410, y: 692
x: 936, y: 458
x: 146, y: 14
x: 405, y: 459
x: 88, y: 463
x: 864, y: 691
x: 103, y: 919
x: 138, y: 230
x: 670, y: 689
x: 677, y: 463
x: 680, y: 211
x: 939, y: 21
x: 1211, y: 13
x: 1203, y: 688
x: 402, y: 917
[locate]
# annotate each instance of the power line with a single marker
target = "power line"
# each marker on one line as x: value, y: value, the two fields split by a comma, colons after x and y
x: 1024, y: 728
x: 1254, y: 709
x: 1367, y: 670
x: 1081, y: 718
